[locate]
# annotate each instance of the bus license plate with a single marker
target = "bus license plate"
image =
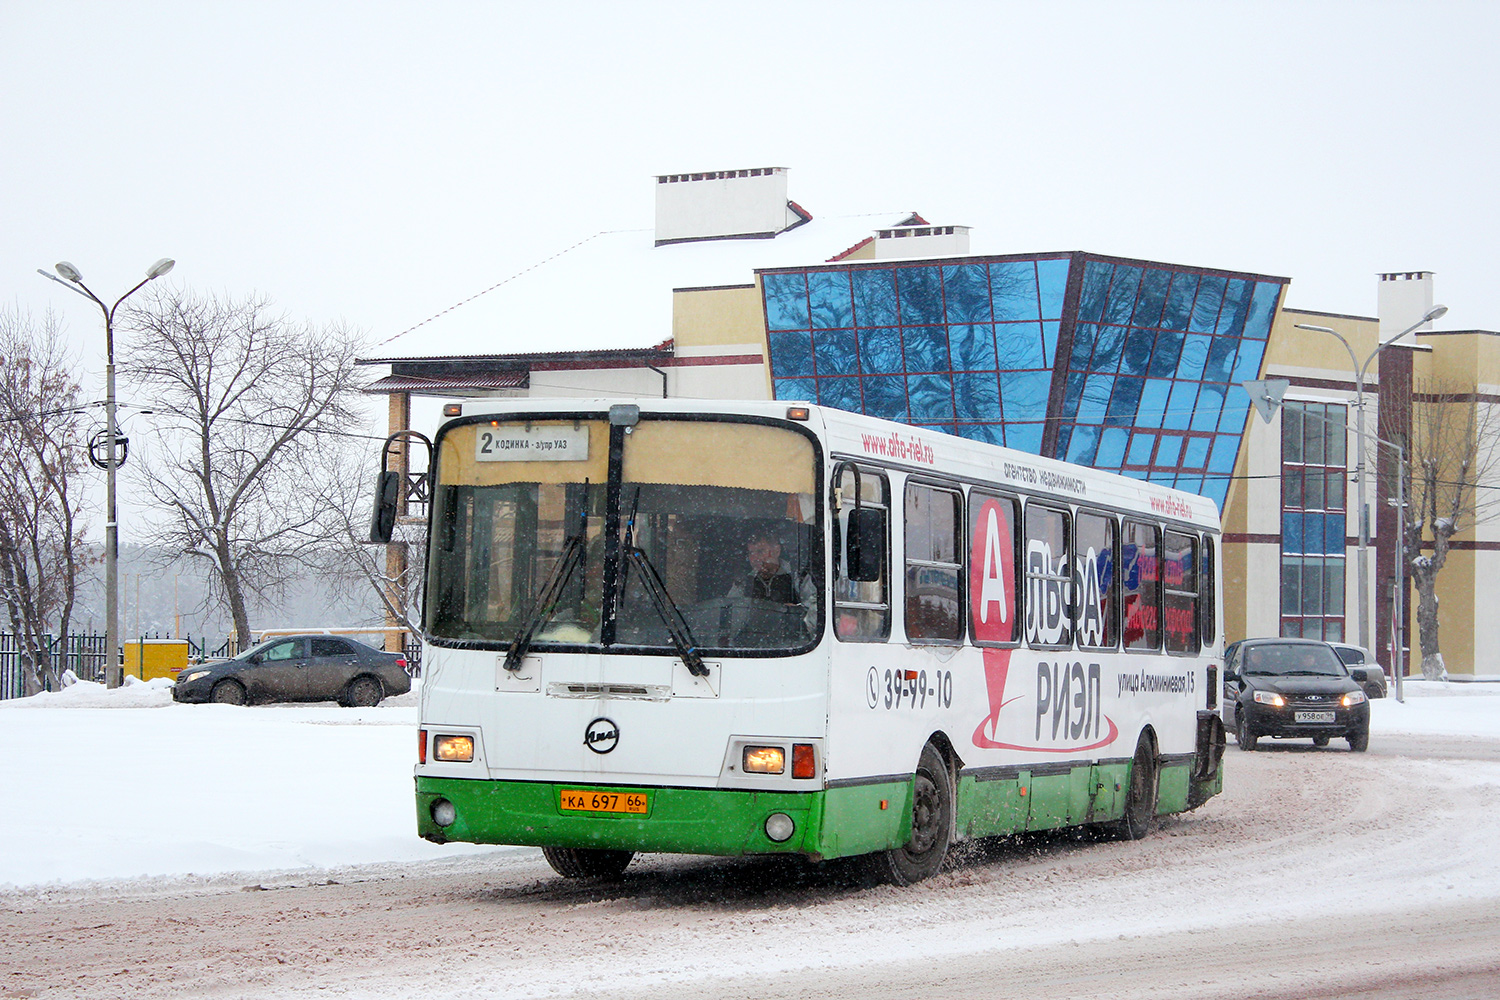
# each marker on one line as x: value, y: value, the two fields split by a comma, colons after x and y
x: 577, y: 800
x: 1313, y: 716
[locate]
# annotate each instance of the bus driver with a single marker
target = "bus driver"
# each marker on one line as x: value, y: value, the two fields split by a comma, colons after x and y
x: 771, y: 578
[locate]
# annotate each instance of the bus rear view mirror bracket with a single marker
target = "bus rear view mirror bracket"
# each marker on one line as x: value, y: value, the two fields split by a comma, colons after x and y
x: 388, y: 488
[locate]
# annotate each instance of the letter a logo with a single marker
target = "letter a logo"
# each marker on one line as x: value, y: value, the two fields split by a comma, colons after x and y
x: 992, y: 572
x: 992, y: 590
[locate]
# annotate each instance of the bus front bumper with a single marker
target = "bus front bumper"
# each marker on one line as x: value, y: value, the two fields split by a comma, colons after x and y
x: 726, y: 822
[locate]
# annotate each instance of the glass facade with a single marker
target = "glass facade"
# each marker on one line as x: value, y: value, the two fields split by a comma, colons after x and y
x: 1122, y: 365
x: 1314, y: 472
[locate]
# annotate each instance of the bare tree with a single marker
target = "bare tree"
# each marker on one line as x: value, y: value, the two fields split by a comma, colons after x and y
x: 1454, y: 455
x: 246, y: 397
x: 42, y: 450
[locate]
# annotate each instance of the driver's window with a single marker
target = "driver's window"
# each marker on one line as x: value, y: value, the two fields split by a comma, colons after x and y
x: 287, y: 650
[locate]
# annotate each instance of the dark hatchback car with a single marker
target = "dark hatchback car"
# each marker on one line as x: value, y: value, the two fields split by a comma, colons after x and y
x: 1294, y: 688
x: 298, y: 668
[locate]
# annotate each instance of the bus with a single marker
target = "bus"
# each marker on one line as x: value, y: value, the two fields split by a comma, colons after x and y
x: 735, y: 628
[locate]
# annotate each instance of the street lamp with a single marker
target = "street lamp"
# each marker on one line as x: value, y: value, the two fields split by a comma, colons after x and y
x: 112, y: 671
x: 1359, y: 461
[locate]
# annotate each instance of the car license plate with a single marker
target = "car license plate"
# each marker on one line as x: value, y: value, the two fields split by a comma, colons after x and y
x: 578, y: 800
x: 1313, y: 716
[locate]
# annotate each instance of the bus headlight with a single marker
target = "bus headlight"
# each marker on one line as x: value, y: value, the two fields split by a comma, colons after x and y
x: 779, y: 827
x: 454, y: 748
x: 443, y: 812
x: 765, y: 760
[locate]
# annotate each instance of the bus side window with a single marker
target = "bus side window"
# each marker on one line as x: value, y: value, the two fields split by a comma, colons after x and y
x: 861, y: 608
x: 1049, y: 577
x: 1181, y: 603
x: 1140, y: 566
x: 1096, y: 584
x: 1209, y: 608
x: 933, y: 573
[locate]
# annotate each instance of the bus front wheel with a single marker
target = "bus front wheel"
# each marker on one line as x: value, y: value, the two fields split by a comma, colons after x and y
x: 586, y: 862
x: 931, y: 825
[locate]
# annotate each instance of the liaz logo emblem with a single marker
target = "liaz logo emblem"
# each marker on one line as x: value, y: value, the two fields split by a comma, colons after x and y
x: 601, y: 735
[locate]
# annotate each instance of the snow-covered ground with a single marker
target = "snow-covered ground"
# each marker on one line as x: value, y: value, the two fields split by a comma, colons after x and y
x: 102, y: 784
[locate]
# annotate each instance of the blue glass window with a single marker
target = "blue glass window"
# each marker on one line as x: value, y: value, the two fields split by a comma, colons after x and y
x: 1206, y: 306
x: 1122, y: 291
x: 1192, y: 484
x: 988, y: 433
x: 1333, y: 534
x: 836, y: 352
x: 976, y: 395
x: 795, y: 389
x: 885, y: 396
x: 1180, y: 301
x: 1195, y: 456
x: 1124, y: 402
x: 1021, y: 345
x: 927, y: 349
x: 1084, y: 335
x: 1247, y: 363
x: 1140, y: 449
x: 972, y: 347
x: 1095, y: 400
x: 1024, y: 437
x: 880, y: 351
x: 1236, y: 305
x: 1049, y: 342
x: 1180, y: 406
x: 1220, y: 365
x: 1052, y: 286
x: 921, y: 295
x: 791, y: 354
x: 1136, y: 360
x: 1210, y: 404
x: 1082, y: 444
x: 832, y: 304
x: 1107, y: 347
x: 1013, y: 290
x: 842, y: 393
x: 930, y: 398
x: 1023, y: 395
x: 1111, y: 448
x: 1153, y: 297
x: 1167, y: 452
x: 1194, y: 355
x: 1226, y: 447
x: 1262, y: 310
x: 966, y: 293
x: 1096, y: 277
x: 1166, y: 355
x: 874, y: 296
x: 1291, y: 532
x: 1153, y: 406
x: 786, y: 302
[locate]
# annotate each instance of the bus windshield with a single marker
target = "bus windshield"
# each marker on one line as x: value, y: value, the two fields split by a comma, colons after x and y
x: 721, y: 515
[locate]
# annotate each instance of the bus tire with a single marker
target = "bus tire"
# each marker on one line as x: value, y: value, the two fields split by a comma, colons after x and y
x: 587, y: 862
x: 1140, y: 800
x: 228, y: 693
x: 931, y: 826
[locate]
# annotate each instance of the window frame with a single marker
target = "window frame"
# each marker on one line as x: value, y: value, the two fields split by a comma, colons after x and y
x: 958, y: 566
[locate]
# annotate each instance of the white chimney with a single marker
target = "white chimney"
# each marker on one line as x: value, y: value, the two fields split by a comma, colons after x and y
x: 1405, y: 297
x: 921, y: 241
x: 724, y: 205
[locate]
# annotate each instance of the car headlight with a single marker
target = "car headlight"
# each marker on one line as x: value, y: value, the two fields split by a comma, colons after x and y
x: 195, y: 675
x: 1270, y: 698
x: 1352, y: 698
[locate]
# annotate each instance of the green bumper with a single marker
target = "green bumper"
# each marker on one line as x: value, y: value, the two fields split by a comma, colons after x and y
x: 727, y: 822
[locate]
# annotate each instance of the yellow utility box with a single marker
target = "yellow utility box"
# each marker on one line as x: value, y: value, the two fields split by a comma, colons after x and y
x: 156, y: 658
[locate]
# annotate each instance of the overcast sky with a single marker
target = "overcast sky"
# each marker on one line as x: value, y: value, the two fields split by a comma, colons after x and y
x: 376, y: 163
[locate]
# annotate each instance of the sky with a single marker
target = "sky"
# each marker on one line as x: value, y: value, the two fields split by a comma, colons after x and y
x: 377, y: 165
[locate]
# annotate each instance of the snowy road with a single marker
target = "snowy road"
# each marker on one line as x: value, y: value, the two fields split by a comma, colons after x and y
x: 1319, y: 873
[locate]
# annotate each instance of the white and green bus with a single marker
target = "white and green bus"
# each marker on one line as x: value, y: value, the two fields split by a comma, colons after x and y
x: 735, y: 628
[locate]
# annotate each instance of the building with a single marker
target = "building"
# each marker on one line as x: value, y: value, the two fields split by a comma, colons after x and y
x: 1129, y: 365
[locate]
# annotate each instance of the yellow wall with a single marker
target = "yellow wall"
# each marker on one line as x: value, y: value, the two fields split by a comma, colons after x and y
x: 717, y: 317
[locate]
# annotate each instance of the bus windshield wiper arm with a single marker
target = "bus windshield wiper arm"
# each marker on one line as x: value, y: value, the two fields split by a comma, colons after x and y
x: 666, y: 608
x: 546, y: 601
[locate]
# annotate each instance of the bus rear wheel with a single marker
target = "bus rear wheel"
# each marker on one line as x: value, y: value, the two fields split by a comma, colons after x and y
x: 587, y: 862
x: 1140, y: 801
x: 931, y: 826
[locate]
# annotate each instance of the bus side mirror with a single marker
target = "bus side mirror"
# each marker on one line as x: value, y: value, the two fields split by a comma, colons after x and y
x: 387, y: 491
x: 865, y: 548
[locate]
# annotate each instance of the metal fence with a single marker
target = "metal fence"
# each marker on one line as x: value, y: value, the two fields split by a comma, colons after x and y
x: 82, y: 654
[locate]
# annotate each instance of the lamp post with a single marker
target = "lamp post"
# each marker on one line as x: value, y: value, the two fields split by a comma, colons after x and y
x: 1267, y: 395
x: 1359, y: 459
x: 112, y: 670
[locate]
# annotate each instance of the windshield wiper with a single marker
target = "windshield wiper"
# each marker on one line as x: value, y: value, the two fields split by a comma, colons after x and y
x: 666, y: 609
x: 551, y: 592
